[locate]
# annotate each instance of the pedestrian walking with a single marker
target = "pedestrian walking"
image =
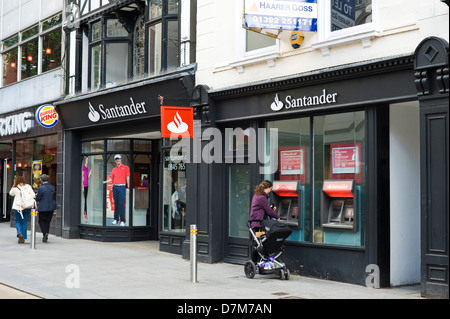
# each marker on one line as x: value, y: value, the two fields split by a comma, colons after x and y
x: 23, y: 202
x: 46, y: 196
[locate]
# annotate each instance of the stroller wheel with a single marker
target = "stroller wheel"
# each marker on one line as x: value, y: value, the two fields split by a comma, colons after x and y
x: 287, y: 274
x: 250, y: 269
x: 284, y: 274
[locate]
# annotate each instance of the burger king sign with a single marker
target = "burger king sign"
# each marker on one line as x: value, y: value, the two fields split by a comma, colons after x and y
x: 46, y: 115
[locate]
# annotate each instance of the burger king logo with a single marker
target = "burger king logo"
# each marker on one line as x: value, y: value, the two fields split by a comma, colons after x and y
x: 47, y: 116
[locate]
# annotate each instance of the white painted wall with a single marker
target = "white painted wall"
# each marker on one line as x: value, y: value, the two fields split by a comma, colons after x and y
x: 404, y: 139
x: 399, y: 26
x: 16, y: 16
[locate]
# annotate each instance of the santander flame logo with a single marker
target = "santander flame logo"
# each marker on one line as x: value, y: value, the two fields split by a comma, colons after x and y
x: 177, y: 125
x: 277, y: 104
x: 93, y: 115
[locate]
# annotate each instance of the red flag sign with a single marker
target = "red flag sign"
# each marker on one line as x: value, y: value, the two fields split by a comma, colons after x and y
x: 177, y: 121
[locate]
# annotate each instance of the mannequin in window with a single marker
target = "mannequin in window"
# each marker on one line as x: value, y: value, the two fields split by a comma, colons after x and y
x: 86, y: 174
x: 178, y: 206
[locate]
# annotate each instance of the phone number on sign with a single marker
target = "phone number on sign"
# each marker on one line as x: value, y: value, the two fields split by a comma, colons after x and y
x: 273, y: 22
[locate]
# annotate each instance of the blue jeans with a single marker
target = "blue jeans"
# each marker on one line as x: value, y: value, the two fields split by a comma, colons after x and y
x: 119, y: 202
x: 21, y: 223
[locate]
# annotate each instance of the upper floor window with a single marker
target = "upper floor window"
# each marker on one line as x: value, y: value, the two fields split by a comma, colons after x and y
x: 108, y: 47
x: 342, y: 21
x: 32, y: 51
x: 350, y: 13
x: 163, y: 52
x: 129, y: 43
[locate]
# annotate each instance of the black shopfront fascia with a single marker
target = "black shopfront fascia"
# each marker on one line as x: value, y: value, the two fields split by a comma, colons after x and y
x: 123, y: 110
x: 367, y: 86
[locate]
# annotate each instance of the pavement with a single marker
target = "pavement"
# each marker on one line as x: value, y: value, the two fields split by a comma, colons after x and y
x: 82, y: 269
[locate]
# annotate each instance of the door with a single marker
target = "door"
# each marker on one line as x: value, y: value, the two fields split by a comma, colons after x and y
x: 5, y: 186
x: 141, y: 190
x: 239, y: 200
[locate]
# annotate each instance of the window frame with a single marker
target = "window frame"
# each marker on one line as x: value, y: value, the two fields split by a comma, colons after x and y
x: 164, y: 19
x: 39, y: 34
x: 242, y: 57
x: 328, y: 38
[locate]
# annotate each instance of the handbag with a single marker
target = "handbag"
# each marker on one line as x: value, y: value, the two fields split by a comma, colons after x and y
x: 27, y: 198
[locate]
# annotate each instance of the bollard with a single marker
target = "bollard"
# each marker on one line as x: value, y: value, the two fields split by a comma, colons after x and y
x: 194, y: 253
x: 33, y: 228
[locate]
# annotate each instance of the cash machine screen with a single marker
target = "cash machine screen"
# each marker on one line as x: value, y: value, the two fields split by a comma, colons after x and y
x: 336, y: 211
x: 284, y: 209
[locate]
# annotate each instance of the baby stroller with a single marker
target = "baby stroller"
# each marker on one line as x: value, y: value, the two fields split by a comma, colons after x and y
x: 266, y: 248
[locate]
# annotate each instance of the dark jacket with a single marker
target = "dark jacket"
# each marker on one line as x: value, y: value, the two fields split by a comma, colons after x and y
x: 260, y: 207
x: 46, y: 196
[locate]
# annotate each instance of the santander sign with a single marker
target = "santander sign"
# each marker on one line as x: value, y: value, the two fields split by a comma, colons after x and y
x: 177, y: 121
x: 291, y: 102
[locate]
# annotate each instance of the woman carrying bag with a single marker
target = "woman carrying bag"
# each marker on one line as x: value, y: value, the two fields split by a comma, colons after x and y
x: 22, y: 205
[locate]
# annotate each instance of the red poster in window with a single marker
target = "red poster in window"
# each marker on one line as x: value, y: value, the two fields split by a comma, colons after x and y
x: 293, y: 163
x: 177, y: 121
x: 346, y: 161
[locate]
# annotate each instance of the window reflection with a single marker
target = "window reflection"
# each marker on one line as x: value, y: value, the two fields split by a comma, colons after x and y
x: 336, y: 150
x: 239, y: 200
x: 92, y: 190
x: 174, y: 192
x: 350, y: 13
x: 40, y: 152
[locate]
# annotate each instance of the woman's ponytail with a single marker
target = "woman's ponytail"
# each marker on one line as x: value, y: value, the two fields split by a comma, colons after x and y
x: 259, y: 190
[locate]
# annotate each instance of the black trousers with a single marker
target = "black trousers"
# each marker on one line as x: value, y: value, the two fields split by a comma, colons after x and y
x: 44, y: 221
x: 85, y: 198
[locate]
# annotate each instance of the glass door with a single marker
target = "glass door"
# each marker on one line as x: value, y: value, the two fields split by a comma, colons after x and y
x: 239, y: 201
x: 141, y: 190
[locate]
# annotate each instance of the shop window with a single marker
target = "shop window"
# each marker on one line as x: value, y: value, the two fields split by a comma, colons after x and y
x: 328, y: 170
x: 292, y: 153
x: 92, y: 173
x: 110, y: 203
x: 93, y: 146
x: 35, y: 157
x: 141, y: 190
x: 339, y: 141
x: 97, y: 200
x: 142, y: 145
x: 118, y: 145
x: 238, y: 200
x: 174, y: 192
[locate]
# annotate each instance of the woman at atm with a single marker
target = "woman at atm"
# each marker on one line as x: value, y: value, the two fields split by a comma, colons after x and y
x: 260, y: 205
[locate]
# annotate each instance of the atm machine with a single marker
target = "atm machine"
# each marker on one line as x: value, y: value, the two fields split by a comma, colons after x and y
x: 340, y: 212
x: 286, y: 196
